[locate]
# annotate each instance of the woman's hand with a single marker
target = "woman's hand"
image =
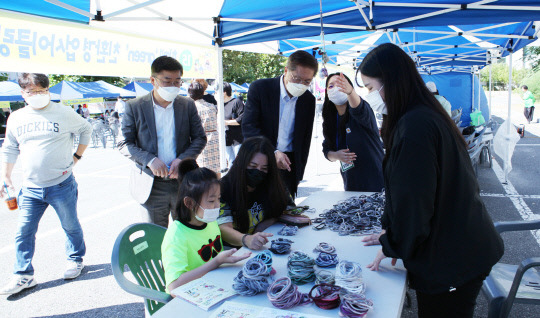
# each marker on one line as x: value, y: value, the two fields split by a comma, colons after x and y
x: 374, y: 266
x: 345, y: 155
x: 227, y: 257
x: 373, y: 239
x: 257, y: 240
x: 344, y: 85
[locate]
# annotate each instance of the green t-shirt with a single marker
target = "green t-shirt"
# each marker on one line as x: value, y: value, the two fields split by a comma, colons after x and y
x: 186, y: 247
x: 529, y: 99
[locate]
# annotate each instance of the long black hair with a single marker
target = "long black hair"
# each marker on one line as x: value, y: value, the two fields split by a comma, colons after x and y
x: 234, y: 187
x: 194, y: 182
x: 403, y: 89
x: 329, y: 115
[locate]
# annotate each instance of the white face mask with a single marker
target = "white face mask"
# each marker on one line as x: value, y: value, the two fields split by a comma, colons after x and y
x: 336, y: 96
x: 295, y: 89
x: 38, y: 101
x: 376, y: 102
x: 168, y: 93
x: 209, y: 215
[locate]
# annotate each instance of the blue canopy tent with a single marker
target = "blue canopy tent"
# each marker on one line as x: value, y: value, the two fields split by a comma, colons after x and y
x: 10, y: 91
x: 139, y: 88
x: 238, y: 88
x: 245, y: 85
x: 73, y: 90
x: 471, y: 95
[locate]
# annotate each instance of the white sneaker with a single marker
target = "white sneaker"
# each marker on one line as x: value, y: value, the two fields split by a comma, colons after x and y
x: 18, y: 283
x: 73, y: 270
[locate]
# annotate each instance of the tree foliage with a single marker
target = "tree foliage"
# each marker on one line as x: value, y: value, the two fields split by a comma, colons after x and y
x: 499, y: 76
x: 246, y: 67
x: 532, y: 54
x: 57, y: 78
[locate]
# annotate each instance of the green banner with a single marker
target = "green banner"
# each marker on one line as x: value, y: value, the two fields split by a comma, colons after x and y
x: 69, y: 102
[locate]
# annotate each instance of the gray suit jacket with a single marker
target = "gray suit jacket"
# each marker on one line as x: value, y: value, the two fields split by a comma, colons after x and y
x: 139, y: 141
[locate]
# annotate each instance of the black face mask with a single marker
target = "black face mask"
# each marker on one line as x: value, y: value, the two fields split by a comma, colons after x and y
x: 255, y: 177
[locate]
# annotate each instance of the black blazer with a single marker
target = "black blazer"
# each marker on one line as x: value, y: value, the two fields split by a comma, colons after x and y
x: 261, y: 117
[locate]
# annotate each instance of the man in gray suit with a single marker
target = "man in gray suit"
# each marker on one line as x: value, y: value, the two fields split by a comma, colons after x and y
x: 159, y: 131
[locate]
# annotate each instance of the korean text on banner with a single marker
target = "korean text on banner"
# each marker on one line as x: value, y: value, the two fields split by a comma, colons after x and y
x: 33, y: 44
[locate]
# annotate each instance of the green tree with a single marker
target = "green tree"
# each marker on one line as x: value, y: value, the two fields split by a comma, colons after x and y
x: 246, y: 67
x: 57, y: 78
x: 3, y: 77
x: 532, y: 54
x: 499, y: 76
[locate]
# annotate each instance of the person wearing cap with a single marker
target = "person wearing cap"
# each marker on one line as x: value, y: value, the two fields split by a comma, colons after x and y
x: 444, y: 102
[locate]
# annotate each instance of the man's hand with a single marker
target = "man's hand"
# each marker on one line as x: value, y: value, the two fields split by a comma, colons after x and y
x: 159, y: 169
x: 10, y: 188
x: 283, y: 161
x: 173, y: 171
x: 374, y: 266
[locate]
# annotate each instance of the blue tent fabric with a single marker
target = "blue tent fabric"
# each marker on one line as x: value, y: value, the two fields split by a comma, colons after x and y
x: 10, y: 91
x: 459, y: 89
x: 245, y: 85
x: 238, y: 88
x: 73, y: 90
x: 459, y: 51
x: 139, y: 88
x: 47, y: 9
x: 349, y: 17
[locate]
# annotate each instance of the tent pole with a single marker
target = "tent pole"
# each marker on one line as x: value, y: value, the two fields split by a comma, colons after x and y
x: 221, y: 117
x: 479, y: 90
x: 509, y: 115
x: 490, y: 106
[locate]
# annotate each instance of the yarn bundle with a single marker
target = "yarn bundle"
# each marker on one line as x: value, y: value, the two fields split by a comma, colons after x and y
x: 284, y: 294
x: 300, y: 268
x: 254, y: 276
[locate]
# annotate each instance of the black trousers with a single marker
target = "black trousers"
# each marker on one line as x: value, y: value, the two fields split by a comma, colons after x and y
x: 528, y: 112
x: 459, y: 303
x: 289, y: 177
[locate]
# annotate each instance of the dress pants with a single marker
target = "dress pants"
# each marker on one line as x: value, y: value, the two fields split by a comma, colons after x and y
x: 161, y: 202
x: 289, y: 177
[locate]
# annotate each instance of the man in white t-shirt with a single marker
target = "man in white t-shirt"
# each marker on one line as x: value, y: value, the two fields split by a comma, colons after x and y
x: 120, y: 107
x: 41, y: 134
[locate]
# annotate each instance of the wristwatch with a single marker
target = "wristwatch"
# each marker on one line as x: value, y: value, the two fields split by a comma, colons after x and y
x: 77, y: 156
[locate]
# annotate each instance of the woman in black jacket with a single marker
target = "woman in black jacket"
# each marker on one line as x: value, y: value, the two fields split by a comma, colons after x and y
x: 434, y: 218
x: 351, y: 136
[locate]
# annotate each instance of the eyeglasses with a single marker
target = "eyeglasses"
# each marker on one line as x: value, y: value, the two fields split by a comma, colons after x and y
x: 211, y: 249
x: 176, y: 83
x: 299, y: 80
x: 32, y: 93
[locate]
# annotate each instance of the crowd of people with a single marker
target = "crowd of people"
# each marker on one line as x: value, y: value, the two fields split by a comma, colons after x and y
x: 434, y: 219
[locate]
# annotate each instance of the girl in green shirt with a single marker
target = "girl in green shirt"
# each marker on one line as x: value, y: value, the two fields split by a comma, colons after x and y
x: 192, y: 245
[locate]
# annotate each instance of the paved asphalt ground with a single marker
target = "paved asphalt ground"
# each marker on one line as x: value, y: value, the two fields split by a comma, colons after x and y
x: 105, y: 208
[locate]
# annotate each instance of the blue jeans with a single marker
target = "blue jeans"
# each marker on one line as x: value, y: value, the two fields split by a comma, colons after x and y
x: 32, y: 204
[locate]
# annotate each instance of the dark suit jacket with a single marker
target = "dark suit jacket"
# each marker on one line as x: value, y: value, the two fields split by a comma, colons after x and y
x: 261, y: 117
x: 139, y: 141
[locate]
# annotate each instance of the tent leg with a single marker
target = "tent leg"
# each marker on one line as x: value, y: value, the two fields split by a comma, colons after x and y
x: 509, y: 115
x: 490, y: 106
x: 221, y: 117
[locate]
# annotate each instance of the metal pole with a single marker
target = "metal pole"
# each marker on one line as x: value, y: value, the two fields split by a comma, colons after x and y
x: 221, y: 117
x: 490, y: 106
x: 509, y: 115
x: 479, y: 91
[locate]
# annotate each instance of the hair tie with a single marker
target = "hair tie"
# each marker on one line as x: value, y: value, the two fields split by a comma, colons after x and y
x: 265, y: 257
x: 324, y: 277
x: 349, y: 277
x: 326, y: 260
x: 325, y: 247
x: 354, y: 306
x: 284, y: 294
x: 281, y: 246
x: 300, y: 267
x: 326, y: 296
x: 252, y: 279
x: 287, y: 230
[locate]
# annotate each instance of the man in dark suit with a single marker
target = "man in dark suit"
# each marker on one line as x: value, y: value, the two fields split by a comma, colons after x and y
x: 282, y: 109
x: 159, y: 131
